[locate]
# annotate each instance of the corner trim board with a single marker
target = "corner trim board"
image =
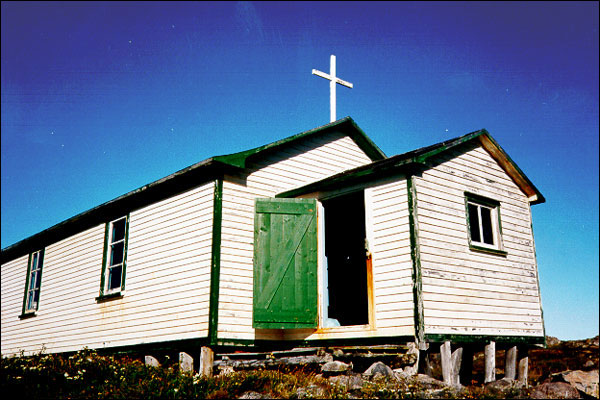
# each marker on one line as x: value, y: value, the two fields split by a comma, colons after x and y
x: 215, y: 263
x: 416, y: 261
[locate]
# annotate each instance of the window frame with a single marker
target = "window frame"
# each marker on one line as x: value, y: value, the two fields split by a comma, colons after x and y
x: 105, y: 291
x: 37, y: 257
x: 496, y: 225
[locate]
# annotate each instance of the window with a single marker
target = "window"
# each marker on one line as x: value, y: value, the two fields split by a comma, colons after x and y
x: 483, y: 222
x: 115, y: 257
x: 33, y: 283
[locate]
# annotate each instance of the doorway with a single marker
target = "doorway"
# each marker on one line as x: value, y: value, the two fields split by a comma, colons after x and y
x: 346, y: 260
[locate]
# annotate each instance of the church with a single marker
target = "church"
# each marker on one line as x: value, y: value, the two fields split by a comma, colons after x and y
x: 316, y: 239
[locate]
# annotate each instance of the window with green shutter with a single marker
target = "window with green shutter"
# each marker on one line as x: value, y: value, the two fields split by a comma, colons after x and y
x: 285, y: 264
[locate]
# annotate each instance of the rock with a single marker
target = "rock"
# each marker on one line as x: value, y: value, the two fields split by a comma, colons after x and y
x: 551, y: 341
x: 337, y: 353
x: 379, y: 369
x: 585, y: 382
x: 502, y: 386
x: 252, y: 395
x: 348, y: 382
x: 428, y: 383
x: 335, y: 368
x: 310, y: 392
x: 225, y: 370
x: 554, y: 390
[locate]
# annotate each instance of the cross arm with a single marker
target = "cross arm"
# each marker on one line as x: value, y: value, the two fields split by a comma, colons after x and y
x: 321, y: 74
x: 328, y: 77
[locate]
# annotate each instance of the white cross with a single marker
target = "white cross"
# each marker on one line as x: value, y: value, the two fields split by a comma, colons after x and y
x: 333, y: 80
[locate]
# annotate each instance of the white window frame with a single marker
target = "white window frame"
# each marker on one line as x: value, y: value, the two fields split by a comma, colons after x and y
x: 107, y: 267
x: 494, y: 207
x: 34, y: 282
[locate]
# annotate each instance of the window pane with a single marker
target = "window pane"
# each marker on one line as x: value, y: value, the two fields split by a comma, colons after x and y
x: 34, y: 261
x: 29, y: 300
x: 38, y: 279
x: 486, y: 224
x: 32, y: 280
x: 118, y: 230
x: 474, y: 223
x: 114, y: 278
x: 116, y: 253
x: 36, y: 296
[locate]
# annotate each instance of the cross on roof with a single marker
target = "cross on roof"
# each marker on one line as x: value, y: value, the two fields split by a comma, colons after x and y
x: 333, y: 80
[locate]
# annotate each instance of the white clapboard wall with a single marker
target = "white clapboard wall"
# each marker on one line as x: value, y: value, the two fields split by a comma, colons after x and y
x: 468, y: 292
x: 290, y: 167
x: 167, y: 283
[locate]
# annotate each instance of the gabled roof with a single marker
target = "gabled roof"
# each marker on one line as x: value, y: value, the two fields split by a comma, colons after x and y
x: 178, y: 182
x: 345, y: 125
x: 418, y: 160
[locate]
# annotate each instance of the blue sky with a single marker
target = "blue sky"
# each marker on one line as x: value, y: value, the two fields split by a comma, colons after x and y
x: 101, y: 98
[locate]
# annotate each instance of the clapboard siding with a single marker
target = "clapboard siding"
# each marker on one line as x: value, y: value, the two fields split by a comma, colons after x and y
x: 390, y: 249
x: 167, y: 283
x: 467, y: 292
x: 293, y: 166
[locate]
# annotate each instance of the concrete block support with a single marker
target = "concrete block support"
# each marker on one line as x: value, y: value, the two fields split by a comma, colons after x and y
x: 206, y: 361
x: 510, y: 363
x: 490, y: 362
x: 523, y: 365
x: 186, y: 363
x: 151, y: 361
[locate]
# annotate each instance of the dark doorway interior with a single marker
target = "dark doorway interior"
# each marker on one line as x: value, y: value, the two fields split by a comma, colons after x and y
x: 346, y: 258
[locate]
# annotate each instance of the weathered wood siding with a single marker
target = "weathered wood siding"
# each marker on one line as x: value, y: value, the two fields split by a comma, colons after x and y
x: 468, y: 292
x: 392, y: 264
x: 167, y: 283
x: 293, y: 166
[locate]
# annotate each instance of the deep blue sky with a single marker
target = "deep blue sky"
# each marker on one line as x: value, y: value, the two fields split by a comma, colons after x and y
x: 100, y: 98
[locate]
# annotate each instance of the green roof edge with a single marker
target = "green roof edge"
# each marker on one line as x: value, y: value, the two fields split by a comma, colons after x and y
x: 346, y: 125
x: 406, y: 161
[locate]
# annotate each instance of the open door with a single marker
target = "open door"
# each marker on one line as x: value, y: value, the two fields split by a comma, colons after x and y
x: 285, y: 264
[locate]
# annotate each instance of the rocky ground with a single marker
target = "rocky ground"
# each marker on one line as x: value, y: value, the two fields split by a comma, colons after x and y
x: 565, y: 369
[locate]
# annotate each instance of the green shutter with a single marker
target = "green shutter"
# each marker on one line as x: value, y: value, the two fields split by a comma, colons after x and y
x: 285, y: 263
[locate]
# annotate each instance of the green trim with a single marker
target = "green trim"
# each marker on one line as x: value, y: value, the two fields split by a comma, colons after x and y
x: 482, y: 200
x: 416, y: 261
x: 28, y: 315
x: 124, y: 270
x: 314, y: 343
x: 487, y: 250
x: 103, y: 269
x: 215, y: 264
x: 27, y: 286
x: 439, y: 338
x: 178, y: 182
x: 345, y: 125
x: 105, y: 297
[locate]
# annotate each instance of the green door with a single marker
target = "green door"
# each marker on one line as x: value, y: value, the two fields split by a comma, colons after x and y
x: 285, y: 263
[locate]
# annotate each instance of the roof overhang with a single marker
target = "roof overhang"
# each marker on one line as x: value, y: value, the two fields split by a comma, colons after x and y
x: 420, y: 159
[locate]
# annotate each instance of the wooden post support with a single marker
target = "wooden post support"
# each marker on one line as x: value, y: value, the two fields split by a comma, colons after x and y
x: 446, y: 356
x: 466, y: 368
x: 523, y: 365
x: 186, y: 363
x: 456, y: 362
x: 510, y: 363
x: 206, y: 361
x: 151, y: 361
x: 490, y: 362
x: 424, y: 364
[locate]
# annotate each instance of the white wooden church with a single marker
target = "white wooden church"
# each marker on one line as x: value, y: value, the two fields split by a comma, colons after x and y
x: 318, y: 238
